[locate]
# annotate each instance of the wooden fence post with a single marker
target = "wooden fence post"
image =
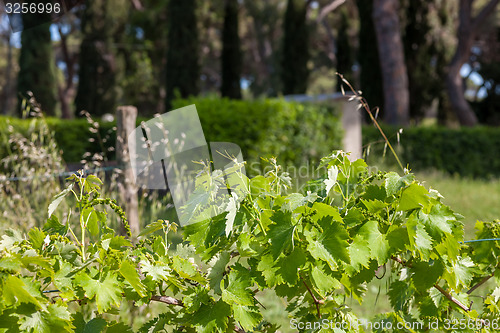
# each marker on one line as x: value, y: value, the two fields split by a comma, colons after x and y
x: 125, y: 124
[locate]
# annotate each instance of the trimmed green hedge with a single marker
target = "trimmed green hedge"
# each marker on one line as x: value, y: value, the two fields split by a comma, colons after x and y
x: 471, y: 152
x: 72, y: 136
x: 295, y: 133
x: 292, y: 132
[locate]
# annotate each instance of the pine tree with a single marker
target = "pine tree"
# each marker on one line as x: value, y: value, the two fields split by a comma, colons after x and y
x: 37, y: 64
x: 183, y: 69
x: 294, y: 72
x: 425, y: 78
x: 231, y: 52
x: 99, y: 69
x: 370, y: 76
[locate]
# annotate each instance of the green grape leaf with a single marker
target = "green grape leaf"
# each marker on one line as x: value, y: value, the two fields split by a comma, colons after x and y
x: 331, y: 244
x: 55, y: 319
x: 196, y: 233
x: 62, y: 279
x: 118, y: 328
x: 259, y: 185
x: 10, y: 264
x: 92, y: 183
x: 42, y: 262
x: 393, y: 182
x: 116, y: 243
x: 237, y: 290
x: 359, y: 252
x: 426, y: 274
x: 377, y: 242
x: 397, y: 238
x: 211, y: 318
x: 323, y: 210
x: 187, y: 270
x: 248, y: 316
x: 15, y: 291
x: 130, y: 273
x: 438, y: 221
x: 427, y: 307
x: 331, y: 181
x: 460, y: 273
x: 58, y: 198
x: 216, y: 272
x: 53, y: 226
x: 151, y: 227
x: 37, y: 238
x: 107, y: 293
x: 323, y: 282
x: 414, y: 196
x: 295, y: 200
x: 374, y: 192
x: 450, y: 247
x: 157, y: 271
x: 354, y: 217
x: 400, y: 294
x: 232, y: 208
x: 281, y: 233
x: 289, y: 264
x: 90, y: 220
x: 374, y: 206
x: 10, y: 238
x: 266, y: 266
x: 95, y: 325
x: 420, y: 240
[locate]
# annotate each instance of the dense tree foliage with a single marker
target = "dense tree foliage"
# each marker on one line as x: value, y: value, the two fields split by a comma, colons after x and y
x: 99, y: 67
x: 141, y: 52
x: 37, y: 65
x: 370, y: 77
x: 231, y: 52
x: 294, y: 71
x: 183, y: 68
x: 345, y: 58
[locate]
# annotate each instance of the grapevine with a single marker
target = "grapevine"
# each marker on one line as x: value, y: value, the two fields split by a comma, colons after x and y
x: 314, y: 250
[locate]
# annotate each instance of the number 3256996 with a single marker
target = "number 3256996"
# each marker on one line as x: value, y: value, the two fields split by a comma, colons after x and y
x: 32, y: 8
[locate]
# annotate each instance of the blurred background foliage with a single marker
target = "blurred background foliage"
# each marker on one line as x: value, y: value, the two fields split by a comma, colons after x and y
x: 143, y: 52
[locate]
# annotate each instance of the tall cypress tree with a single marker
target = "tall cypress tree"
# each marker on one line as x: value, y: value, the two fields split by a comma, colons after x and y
x: 183, y: 69
x: 36, y: 62
x: 98, y: 90
x: 294, y: 72
x: 231, y: 52
x: 370, y: 78
x: 344, y: 55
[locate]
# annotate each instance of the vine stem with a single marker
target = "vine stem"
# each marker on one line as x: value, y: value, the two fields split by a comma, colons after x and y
x: 479, y: 284
x: 316, y: 301
x: 367, y: 108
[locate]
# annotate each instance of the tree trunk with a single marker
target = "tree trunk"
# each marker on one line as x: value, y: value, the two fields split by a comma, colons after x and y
x: 394, y: 75
x: 467, y: 30
x: 5, y: 103
x: 64, y: 92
